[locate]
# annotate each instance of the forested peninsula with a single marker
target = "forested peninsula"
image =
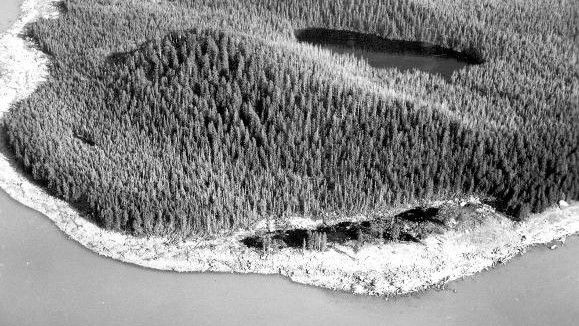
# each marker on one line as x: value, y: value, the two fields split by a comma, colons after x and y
x: 201, y: 135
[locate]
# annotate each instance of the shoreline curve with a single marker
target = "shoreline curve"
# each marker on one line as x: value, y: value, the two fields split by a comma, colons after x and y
x: 386, y: 269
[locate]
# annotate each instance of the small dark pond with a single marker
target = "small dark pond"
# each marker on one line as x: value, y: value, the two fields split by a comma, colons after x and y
x: 385, y: 53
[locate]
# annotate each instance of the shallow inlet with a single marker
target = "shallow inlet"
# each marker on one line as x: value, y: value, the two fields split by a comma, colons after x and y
x: 385, y: 53
x: 46, y: 279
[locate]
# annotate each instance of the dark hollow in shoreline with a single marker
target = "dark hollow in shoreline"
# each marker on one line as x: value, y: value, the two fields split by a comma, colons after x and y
x: 410, y: 225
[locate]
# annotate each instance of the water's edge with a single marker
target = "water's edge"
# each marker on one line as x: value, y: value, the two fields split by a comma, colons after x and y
x: 48, y: 280
x: 9, y: 14
x: 377, y: 270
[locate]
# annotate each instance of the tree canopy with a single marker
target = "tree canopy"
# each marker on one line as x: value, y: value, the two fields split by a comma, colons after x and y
x: 195, y: 117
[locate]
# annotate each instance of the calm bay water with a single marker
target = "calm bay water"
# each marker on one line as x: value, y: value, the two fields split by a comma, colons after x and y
x: 442, y: 66
x: 384, y: 53
x: 9, y: 10
x: 46, y: 279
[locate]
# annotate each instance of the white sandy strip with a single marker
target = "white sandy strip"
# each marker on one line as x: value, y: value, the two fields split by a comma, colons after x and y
x: 379, y: 269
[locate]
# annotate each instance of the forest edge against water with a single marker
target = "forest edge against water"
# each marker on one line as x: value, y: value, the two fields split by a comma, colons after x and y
x: 439, y: 259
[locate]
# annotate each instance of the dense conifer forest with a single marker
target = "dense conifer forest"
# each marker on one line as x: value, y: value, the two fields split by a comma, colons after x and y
x: 195, y: 117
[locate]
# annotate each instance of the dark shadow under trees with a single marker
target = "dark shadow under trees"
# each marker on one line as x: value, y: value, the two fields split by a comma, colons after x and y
x: 411, y: 225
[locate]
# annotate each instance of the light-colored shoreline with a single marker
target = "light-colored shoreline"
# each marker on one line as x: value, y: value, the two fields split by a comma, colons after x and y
x: 387, y: 269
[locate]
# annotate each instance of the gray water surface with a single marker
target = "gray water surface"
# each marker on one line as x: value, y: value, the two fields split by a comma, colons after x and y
x: 383, y: 53
x: 46, y: 279
x: 9, y: 10
x: 437, y: 65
